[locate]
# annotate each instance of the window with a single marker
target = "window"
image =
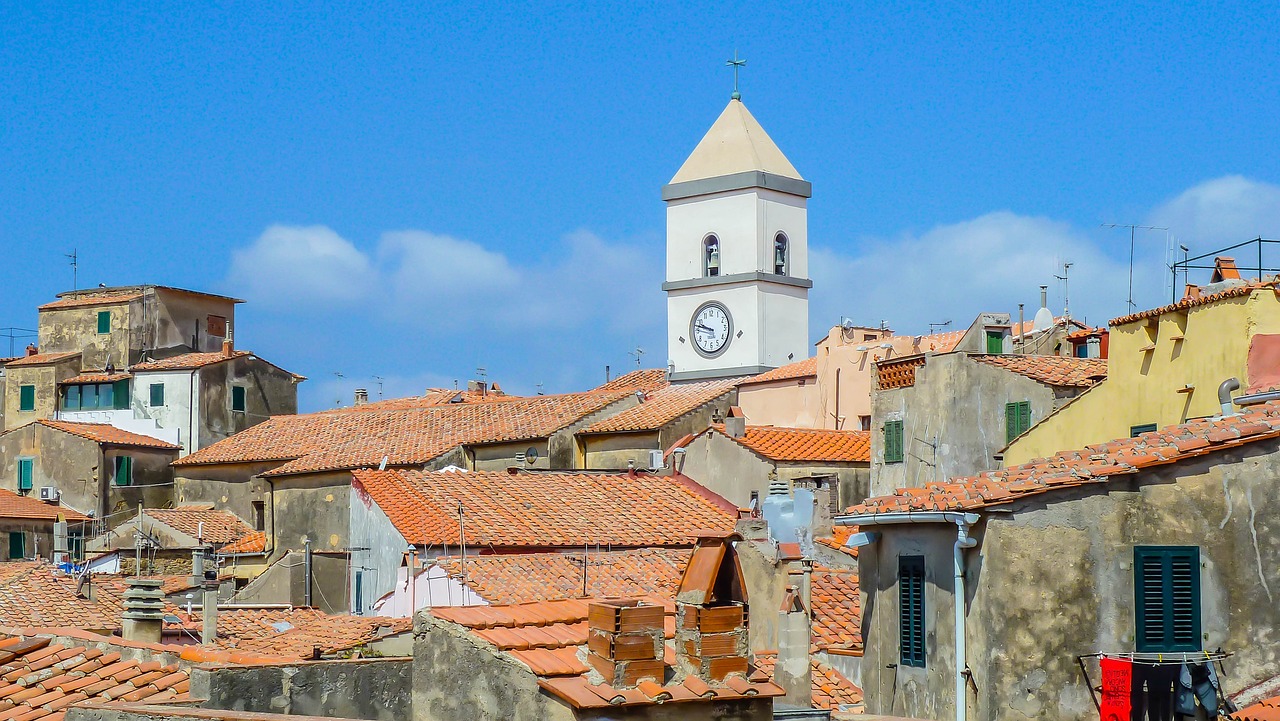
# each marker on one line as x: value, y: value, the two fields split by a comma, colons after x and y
x: 75, y: 546
x: 711, y: 256
x: 911, y: 610
x: 26, y: 467
x: 780, y: 254
x: 17, y: 545
x: 995, y: 341
x: 1166, y: 591
x: 157, y: 395
x: 259, y: 516
x: 217, y: 325
x: 893, y: 442
x: 96, y: 396
x: 1082, y: 350
x: 71, y: 398
x: 27, y: 398
x: 124, y: 471
x: 1017, y: 419
x: 237, y: 398
x: 864, y: 423
x: 1135, y: 431
x: 104, y: 322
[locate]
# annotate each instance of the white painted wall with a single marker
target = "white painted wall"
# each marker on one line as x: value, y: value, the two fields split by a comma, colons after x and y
x: 124, y: 420
x: 432, y: 588
x: 181, y: 404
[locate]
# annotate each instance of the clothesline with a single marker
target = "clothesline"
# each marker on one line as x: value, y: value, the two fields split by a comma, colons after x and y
x: 1162, y: 659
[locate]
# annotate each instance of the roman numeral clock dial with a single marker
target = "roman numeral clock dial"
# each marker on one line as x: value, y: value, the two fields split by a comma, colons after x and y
x: 710, y: 329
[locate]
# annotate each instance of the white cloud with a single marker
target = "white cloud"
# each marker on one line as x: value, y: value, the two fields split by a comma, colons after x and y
x: 1221, y: 212
x: 299, y: 266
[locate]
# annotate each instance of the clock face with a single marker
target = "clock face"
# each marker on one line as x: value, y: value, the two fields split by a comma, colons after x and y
x: 710, y: 328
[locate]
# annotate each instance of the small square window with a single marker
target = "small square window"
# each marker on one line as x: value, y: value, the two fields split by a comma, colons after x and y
x: 157, y: 395
x: 104, y: 322
x: 864, y: 423
x: 27, y: 398
x: 1135, y: 431
x: 237, y: 399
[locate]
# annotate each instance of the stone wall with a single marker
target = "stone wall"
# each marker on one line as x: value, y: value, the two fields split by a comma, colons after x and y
x: 373, y: 689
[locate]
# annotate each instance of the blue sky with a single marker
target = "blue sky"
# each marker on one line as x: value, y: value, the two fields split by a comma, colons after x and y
x: 412, y: 192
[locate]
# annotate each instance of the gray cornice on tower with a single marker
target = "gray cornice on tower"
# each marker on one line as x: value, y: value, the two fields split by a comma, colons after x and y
x: 737, y: 181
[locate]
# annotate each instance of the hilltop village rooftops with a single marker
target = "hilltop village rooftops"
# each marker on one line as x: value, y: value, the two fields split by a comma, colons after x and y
x: 544, y: 509
x: 662, y: 406
x: 15, y: 506
x: 1095, y: 464
x: 1057, y: 371
x: 104, y: 434
x: 348, y: 440
x: 522, y: 577
x: 799, y: 445
x: 213, y: 526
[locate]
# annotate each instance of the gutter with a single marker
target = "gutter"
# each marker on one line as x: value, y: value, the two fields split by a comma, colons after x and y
x: 963, y: 541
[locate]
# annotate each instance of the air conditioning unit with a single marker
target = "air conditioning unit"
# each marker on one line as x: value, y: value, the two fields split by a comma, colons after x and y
x: 48, y: 493
x: 655, y: 460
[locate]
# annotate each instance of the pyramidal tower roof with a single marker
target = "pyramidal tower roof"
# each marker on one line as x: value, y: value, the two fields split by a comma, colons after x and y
x: 735, y: 144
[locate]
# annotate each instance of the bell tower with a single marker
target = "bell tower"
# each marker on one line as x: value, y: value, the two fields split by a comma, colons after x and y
x: 737, y: 279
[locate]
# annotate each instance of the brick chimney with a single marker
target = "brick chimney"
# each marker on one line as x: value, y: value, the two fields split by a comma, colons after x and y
x: 143, y: 610
x: 228, y: 348
x: 625, y: 642
x: 711, y: 612
x: 32, y: 349
x: 362, y: 396
x: 793, y: 671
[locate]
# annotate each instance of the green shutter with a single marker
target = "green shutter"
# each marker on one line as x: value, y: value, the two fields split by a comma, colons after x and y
x: 124, y: 471
x: 120, y: 389
x: 157, y: 395
x: 237, y: 398
x: 893, y: 442
x: 1017, y: 419
x: 1135, y: 431
x: 104, y: 322
x: 17, y: 545
x: 1024, y: 416
x: 26, y: 398
x: 995, y: 341
x: 1166, y: 590
x: 911, y: 610
x: 25, y: 466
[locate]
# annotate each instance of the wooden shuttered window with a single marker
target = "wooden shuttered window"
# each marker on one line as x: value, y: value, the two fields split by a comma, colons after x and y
x: 237, y: 398
x: 1166, y: 592
x: 911, y: 610
x: 104, y: 322
x: 27, y: 398
x: 995, y: 341
x: 124, y: 470
x: 120, y: 394
x: 1017, y: 419
x: 157, y: 395
x: 893, y: 442
x: 26, y: 468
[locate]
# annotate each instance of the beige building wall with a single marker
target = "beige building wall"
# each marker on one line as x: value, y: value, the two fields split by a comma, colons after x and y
x: 45, y: 378
x: 792, y: 403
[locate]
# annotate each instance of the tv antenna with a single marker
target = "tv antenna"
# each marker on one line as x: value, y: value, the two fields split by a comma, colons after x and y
x: 1066, y: 289
x: 638, y: 353
x: 1132, y: 228
x: 75, y: 268
x: 379, y: 380
x: 934, y: 327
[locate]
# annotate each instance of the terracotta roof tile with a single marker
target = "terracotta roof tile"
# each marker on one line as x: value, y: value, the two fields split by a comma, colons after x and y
x: 33, y: 594
x: 108, y: 434
x: 1199, y: 300
x: 645, y: 379
x: 219, y: 526
x: 1265, y: 710
x: 807, y: 368
x: 257, y: 631
x: 1051, y: 370
x: 188, y: 361
x: 433, y: 397
x: 663, y: 406
x: 255, y: 542
x: 839, y: 535
x: 13, y: 505
x: 837, y: 610
x: 557, y: 662
x: 1092, y: 464
x: 81, y: 301
x: 339, y: 441
x: 518, y: 578
x: 41, y: 359
x: 96, y: 377
x: 534, y: 509
x: 806, y: 444
x: 831, y: 690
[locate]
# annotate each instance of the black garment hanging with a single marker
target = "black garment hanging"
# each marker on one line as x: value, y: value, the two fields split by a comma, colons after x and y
x: 1152, y: 694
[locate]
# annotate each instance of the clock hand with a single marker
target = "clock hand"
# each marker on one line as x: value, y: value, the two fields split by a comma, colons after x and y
x: 708, y: 329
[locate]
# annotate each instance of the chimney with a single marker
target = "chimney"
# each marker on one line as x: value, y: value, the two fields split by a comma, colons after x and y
x: 735, y: 426
x: 793, y: 671
x: 197, y: 567
x: 32, y: 349
x: 61, y: 552
x: 228, y: 348
x: 475, y: 386
x: 362, y: 396
x: 625, y: 642
x: 1044, y: 296
x: 209, y: 609
x: 143, y: 610
x: 711, y: 613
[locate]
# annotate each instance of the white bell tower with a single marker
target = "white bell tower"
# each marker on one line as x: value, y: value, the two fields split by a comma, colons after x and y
x: 737, y: 255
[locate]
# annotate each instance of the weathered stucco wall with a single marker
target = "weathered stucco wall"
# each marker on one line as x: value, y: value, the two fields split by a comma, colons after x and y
x: 314, y: 506
x: 177, y: 318
x: 152, y: 484
x: 37, y: 538
x: 1054, y: 580
x: 612, y: 451
x: 285, y: 581
x: 501, y: 456
x: 63, y: 330
x: 232, y: 487
x: 374, y: 689
x: 725, y: 467
x: 45, y: 378
x: 269, y: 391
x: 953, y: 420
x: 792, y: 403
x: 378, y: 551
x: 69, y: 463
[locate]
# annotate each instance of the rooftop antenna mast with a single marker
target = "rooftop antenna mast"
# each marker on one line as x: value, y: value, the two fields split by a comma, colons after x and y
x: 1066, y: 290
x: 737, y: 64
x: 75, y: 269
x: 638, y: 353
x: 379, y: 380
x: 1132, y: 228
x: 934, y: 327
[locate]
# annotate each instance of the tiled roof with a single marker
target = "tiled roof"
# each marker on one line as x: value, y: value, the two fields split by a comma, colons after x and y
x: 663, y: 406
x: 831, y: 690
x: 1265, y: 710
x: 1085, y: 333
x: 188, y: 361
x: 110, y: 587
x: 33, y: 594
x: 1051, y: 370
x: 13, y: 505
x: 41, y: 359
x: 1199, y: 300
x: 219, y: 526
x: 837, y: 610
x: 523, y: 577
x: 549, y: 638
x: 645, y: 379
x: 257, y: 631
x: 96, y: 377
x: 81, y: 301
x: 433, y: 397
x: 543, y: 510
x: 942, y: 342
x: 252, y: 543
x: 39, y: 679
x: 108, y: 434
x: 839, y: 535
x: 1093, y: 464
x: 806, y: 444
x: 806, y: 368
x: 338, y: 441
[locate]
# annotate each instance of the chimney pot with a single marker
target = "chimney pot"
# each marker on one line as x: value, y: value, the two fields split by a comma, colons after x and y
x: 735, y: 426
x: 32, y: 349
x: 625, y: 641
x: 362, y: 396
x: 228, y: 348
x: 143, y: 617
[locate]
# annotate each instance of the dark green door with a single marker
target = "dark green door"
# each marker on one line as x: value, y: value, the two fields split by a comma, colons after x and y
x: 17, y: 545
x: 995, y: 341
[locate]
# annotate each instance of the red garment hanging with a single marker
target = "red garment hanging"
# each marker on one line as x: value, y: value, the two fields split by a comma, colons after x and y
x: 1117, y: 680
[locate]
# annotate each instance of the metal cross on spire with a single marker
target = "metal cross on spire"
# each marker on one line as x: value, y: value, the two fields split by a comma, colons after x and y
x: 736, y: 63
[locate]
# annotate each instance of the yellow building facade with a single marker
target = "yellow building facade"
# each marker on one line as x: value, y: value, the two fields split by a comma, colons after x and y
x: 1164, y: 368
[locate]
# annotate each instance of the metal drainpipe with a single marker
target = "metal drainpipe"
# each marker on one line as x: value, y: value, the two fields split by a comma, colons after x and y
x: 1224, y: 395
x: 963, y: 541
x: 306, y: 572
